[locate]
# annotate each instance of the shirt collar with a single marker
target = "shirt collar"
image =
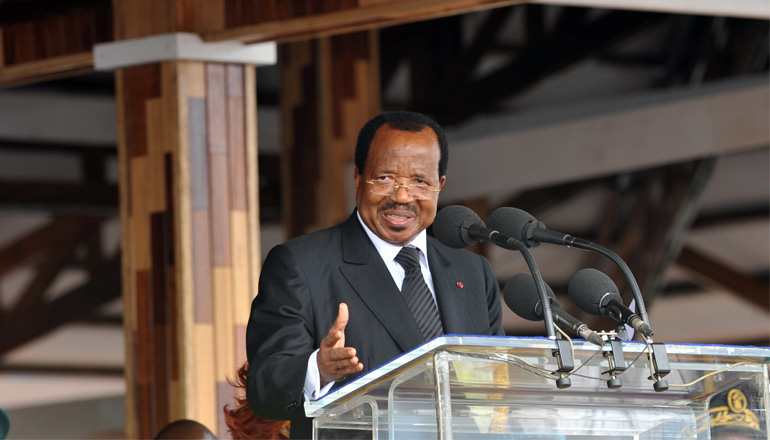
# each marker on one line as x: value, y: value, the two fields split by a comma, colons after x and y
x: 388, y: 251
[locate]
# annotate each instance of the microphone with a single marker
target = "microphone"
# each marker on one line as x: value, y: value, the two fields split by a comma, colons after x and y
x: 458, y: 226
x: 595, y: 293
x: 524, y: 227
x: 521, y: 296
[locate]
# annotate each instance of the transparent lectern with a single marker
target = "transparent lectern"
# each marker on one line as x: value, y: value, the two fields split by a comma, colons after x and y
x: 472, y: 387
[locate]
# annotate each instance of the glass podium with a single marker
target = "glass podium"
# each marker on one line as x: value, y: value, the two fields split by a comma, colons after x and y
x: 474, y: 387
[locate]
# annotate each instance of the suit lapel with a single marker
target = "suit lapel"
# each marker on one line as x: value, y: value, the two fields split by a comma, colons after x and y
x: 370, y: 279
x: 449, y: 296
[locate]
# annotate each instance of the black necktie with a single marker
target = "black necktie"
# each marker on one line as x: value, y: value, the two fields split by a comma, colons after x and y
x: 417, y: 294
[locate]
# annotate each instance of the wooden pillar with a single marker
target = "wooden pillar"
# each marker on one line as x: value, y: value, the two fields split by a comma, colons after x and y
x: 330, y: 87
x: 189, y: 215
x: 189, y: 208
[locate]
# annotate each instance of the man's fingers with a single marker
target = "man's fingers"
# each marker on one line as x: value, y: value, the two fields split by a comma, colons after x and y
x: 337, y: 331
x: 342, y: 373
x: 335, y: 361
x: 335, y: 364
x: 341, y: 369
x: 342, y: 318
x: 343, y: 364
x: 339, y: 354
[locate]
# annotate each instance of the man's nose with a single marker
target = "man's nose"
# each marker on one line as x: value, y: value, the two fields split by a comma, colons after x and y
x: 402, y: 194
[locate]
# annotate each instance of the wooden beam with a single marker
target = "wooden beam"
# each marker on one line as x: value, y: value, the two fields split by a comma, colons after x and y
x: 31, y: 246
x: 646, y: 223
x: 574, y: 40
x: 681, y: 188
x: 211, y: 19
x: 53, y: 262
x: 458, y: 75
x: 50, y: 39
x: 20, y: 328
x: 744, y: 213
x: 651, y: 230
x: 570, y: 144
x: 540, y: 199
x: 712, y: 270
x: 371, y: 15
x: 47, y: 69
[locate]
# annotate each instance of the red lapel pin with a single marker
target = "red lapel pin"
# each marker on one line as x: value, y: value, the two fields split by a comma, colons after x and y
x: 460, y: 284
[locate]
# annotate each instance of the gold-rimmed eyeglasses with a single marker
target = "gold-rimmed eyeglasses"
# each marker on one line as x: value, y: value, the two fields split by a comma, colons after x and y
x: 418, y: 191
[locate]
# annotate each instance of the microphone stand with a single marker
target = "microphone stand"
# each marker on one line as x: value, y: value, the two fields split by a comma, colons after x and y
x: 562, y: 352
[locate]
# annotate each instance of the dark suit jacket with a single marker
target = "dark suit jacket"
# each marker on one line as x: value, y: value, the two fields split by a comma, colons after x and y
x: 300, y: 288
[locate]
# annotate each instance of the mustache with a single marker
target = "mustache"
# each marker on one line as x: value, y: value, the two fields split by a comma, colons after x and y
x: 403, y: 207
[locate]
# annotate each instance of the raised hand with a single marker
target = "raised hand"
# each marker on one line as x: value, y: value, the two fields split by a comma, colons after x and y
x: 335, y: 361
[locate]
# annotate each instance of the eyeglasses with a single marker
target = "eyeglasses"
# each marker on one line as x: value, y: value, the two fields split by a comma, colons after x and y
x: 418, y: 191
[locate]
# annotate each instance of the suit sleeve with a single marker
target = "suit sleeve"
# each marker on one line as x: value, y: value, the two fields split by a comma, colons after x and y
x: 279, y: 338
x: 493, y: 301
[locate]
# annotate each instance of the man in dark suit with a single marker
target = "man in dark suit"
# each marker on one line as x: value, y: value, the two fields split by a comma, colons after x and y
x: 337, y: 303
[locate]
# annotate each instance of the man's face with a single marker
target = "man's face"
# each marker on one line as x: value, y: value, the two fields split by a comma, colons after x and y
x: 408, y: 157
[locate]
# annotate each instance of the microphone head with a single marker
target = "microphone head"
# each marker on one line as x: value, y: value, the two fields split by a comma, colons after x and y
x: 515, y: 223
x: 451, y: 226
x: 521, y: 296
x: 591, y: 289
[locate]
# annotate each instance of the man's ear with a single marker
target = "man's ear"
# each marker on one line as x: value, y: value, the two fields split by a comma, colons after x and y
x: 356, y: 176
x: 442, y: 182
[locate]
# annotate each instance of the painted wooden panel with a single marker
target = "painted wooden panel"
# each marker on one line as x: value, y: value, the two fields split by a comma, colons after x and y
x: 236, y: 138
x: 224, y: 355
x: 156, y: 166
x: 240, y: 267
x: 202, y: 271
x: 252, y: 185
x: 204, y: 402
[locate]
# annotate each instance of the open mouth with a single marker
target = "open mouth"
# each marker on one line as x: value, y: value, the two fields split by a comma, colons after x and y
x: 398, y: 219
